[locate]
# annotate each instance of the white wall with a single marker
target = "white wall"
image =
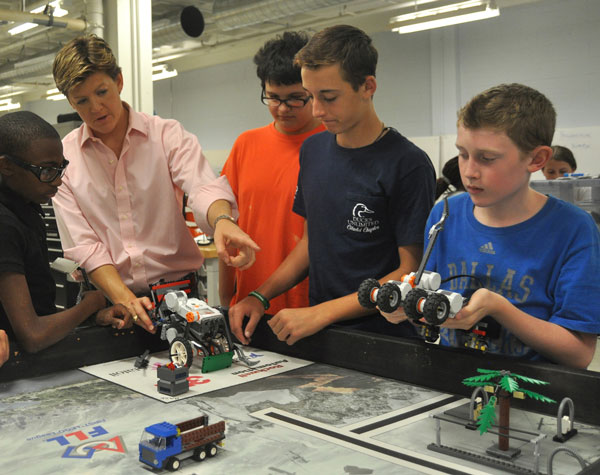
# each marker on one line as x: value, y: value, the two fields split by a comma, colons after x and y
x: 423, y: 78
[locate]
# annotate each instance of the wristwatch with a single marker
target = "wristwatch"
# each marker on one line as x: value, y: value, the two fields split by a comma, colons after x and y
x: 223, y: 216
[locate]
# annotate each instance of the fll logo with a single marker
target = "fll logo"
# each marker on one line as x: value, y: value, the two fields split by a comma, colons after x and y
x: 89, y: 443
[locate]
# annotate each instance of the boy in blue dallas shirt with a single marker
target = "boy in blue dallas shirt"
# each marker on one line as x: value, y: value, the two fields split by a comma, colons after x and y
x: 537, y: 257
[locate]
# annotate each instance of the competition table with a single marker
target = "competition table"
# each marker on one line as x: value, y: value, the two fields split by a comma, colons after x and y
x: 363, y: 407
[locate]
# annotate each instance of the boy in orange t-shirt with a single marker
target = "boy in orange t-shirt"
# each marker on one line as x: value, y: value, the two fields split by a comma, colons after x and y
x: 262, y: 170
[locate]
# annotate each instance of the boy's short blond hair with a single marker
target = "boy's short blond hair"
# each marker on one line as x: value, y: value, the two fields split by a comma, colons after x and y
x: 79, y: 59
x: 526, y: 116
x: 345, y: 45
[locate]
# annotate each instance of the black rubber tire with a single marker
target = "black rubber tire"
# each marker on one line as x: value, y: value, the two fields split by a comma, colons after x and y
x: 389, y: 297
x: 436, y: 309
x: 200, y: 454
x: 181, y: 352
x: 364, y: 292
x: 411, y: 301
x: 211, y: 450
x: 173, y: 464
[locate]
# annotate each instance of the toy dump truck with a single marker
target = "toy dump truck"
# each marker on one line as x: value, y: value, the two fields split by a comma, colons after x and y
x: 192, y: 327
x: 165, y: 445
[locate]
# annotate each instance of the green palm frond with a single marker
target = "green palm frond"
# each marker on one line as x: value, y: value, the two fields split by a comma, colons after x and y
x: 528, y: 379
x: 536, y: 396
x: 484, y: 378
x: 475, y: 383
x: 509, y: 384
x: 487, y: 416
x: 495, y: 372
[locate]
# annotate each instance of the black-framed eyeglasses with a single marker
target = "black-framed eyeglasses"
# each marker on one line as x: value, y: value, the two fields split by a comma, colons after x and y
x: 44, y: 174
x: 291, y: 102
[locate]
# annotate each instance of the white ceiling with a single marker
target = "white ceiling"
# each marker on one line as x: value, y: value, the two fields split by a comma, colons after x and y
x: 234, y: 29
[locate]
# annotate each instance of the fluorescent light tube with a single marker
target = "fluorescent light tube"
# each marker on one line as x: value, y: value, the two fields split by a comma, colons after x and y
x: 160, y: 71
x: 8, y: 105
x: 428, y: 19
x: 58, y: 12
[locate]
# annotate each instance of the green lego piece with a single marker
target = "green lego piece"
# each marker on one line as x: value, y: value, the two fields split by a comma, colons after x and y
x: 216, y: 362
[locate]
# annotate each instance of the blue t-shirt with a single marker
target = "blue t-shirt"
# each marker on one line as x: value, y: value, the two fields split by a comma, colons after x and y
x: 360, y: 205
x: 547, y: 266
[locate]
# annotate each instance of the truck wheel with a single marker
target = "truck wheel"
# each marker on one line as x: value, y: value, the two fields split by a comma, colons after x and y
x: 212, y: 450
x: 436, y: 309
x: 411, y: 303
x: 389, y: 297
x: 199, y: 454
x: 173, y: 464
x: 181, y: 352
x: 364, y: 292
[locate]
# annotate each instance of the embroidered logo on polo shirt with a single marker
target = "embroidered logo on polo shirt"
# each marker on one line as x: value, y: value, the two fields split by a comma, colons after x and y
x: 361, y: 222
x: 487, y: 248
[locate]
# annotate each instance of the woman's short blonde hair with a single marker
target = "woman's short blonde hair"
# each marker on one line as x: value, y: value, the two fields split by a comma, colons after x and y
x: 79, y: 59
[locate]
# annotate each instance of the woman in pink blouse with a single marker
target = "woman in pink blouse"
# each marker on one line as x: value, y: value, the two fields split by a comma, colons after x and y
x: 119, y: 208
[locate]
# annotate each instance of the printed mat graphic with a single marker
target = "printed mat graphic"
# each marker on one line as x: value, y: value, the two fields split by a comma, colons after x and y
x: 124, y: 373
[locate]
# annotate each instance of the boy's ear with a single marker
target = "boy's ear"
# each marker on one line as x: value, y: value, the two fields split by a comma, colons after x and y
x: 539, y: 157
x: 370, y: 85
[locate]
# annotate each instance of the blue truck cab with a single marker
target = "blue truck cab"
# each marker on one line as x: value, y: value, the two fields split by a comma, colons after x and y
x: 158, y: 443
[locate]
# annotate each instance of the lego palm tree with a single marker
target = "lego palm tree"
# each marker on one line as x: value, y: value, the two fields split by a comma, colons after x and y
x: 504, y: 385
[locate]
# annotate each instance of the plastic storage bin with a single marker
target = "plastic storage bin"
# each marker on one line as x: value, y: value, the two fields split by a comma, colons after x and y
x: 581, y: 191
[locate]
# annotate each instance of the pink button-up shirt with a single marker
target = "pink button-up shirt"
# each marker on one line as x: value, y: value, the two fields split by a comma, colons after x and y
x: 127, y: 210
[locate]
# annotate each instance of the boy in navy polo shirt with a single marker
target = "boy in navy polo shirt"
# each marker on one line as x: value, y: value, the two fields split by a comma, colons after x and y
x: 364, y: 190
x: 31, y: 167
x: 537, y: 257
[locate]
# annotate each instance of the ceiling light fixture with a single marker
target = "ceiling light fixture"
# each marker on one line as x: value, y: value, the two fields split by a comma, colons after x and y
x: 168, y: 58
x: 437, y: 14
x: 54, y: 95
x: 160, y: 71
x: 8, y: 105
x: 57, y: 12
x: 10, y: 94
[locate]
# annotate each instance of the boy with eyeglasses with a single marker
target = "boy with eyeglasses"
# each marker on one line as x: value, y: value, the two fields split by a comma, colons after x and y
x: 364, y: 190
x: 31, y: 167
x: 262, y: 169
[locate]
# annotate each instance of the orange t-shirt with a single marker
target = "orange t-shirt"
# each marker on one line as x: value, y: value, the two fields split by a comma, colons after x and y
x: 262, y: 169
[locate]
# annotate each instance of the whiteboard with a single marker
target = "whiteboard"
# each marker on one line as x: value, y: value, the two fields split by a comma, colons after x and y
x: 584, y: 142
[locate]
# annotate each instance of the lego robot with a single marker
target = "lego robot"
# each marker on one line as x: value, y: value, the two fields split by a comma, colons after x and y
x: 192, y: 327
x: 419, y: 293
